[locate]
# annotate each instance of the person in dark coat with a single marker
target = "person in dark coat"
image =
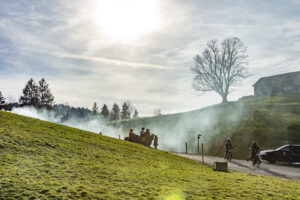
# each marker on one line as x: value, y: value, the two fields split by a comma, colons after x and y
x: 147, y: 133
x: 255, y: 149
x: 228, y: 147
x: 155, y: 141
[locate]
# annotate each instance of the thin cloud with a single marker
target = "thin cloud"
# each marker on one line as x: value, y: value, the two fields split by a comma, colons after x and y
x: 109, y: 61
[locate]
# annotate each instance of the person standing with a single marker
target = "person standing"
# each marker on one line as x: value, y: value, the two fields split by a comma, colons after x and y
x: 147, y: 133
x: 142, y: 132
x: 255, y: 149
x: 228, y: 149
x: 131, y: 133
x: 155, y: 141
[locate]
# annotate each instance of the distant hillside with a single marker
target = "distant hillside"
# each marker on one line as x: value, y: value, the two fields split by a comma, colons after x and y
x: 42, y: 160
x: 271, y: 121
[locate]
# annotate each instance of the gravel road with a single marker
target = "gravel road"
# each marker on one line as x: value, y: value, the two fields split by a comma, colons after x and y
x: 278, y: 170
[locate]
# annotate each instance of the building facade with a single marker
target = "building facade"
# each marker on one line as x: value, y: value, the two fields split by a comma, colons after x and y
x: 278, y: 84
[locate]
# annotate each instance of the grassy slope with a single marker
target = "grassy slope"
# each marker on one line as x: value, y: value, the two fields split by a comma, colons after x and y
x: 42, y: 160
x: 272, y: 121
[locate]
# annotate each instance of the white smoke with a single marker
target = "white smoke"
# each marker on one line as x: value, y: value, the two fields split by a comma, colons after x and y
x: 170, y: 138
x: 88, y: 123
x: 173, y: 131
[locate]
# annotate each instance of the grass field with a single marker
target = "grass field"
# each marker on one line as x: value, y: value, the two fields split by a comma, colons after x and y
x: 271, y: 121
x: 42, y: 160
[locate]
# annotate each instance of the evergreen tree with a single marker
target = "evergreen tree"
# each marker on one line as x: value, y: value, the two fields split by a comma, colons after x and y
x: 2, y: 99
x: 125, y: 113
x: 46, y: 99
x: 30, y: 94
x: 95, y: 109
x: 105, y: 111
x: 135, y: 114
x: 115, y: 113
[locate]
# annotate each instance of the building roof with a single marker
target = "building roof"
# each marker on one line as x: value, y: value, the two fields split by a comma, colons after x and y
x: 279, y: 77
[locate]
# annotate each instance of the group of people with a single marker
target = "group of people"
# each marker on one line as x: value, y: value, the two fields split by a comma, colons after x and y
x: 254, y: 150
x: 144, y: 134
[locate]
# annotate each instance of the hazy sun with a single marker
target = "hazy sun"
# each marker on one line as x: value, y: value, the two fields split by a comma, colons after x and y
x: 125, y: 19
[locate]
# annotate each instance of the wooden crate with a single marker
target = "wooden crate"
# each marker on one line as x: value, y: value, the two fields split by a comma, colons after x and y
x: 220, y: 166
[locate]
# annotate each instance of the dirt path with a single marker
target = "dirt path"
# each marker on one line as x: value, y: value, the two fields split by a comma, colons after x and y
x: 244, y: 166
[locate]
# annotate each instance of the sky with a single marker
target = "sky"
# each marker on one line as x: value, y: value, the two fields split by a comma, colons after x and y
x: 141, y: 51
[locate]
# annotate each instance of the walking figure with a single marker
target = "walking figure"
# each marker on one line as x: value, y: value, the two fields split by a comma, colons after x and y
x: 155, y: 141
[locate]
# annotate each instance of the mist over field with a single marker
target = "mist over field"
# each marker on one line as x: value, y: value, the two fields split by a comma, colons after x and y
x: 172, y: 132
x: 169, y: 138
x: 89, y: 123
x: 271, y: 121
x: 175, y: 130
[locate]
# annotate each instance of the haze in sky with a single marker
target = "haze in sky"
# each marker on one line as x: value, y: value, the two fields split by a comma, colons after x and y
x: 141, y: 51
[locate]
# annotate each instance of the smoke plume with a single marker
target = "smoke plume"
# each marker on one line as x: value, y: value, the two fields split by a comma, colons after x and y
x: 89, y: 122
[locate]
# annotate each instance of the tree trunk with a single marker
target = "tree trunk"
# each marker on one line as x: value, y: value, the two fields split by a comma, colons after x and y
x: 224, y: 98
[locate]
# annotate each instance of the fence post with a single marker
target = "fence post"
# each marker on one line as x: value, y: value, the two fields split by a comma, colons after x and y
x: 219, y: 146
x: 202, y: 154
x: 199, y: 135
x: 186, y: 148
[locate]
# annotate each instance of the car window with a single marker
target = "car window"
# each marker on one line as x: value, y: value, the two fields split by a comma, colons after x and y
x: 297, y: 149
x: 286, y: 149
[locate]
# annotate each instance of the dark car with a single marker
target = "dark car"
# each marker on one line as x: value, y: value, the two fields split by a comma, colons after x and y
x: 286, y: 153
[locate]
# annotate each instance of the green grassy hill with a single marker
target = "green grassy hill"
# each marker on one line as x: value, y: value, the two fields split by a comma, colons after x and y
x: 271, y: 121
x: 42, y: 160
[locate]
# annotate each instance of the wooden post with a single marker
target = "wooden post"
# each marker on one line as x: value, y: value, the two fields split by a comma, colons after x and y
x: 186, y: 148
x: 219, y: 146
x: 119, y: 137
x: 198, y: 147
x: 199, y: 135
x: 202, y: 153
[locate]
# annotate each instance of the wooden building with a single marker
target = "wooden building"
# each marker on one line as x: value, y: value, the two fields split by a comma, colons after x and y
x: 278, y: 84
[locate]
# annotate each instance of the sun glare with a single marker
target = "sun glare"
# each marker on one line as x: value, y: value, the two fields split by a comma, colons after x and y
x: 125, y: 19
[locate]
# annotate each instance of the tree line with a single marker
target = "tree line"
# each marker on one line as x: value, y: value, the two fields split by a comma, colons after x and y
x: 116, y: 113
x: 39, y: 95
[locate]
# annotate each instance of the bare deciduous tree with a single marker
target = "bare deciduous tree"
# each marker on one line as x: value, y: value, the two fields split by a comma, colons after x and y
x: 157, y: 112
x: 219, y: 68
x: 135, y: 114
x: 10, y: 99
